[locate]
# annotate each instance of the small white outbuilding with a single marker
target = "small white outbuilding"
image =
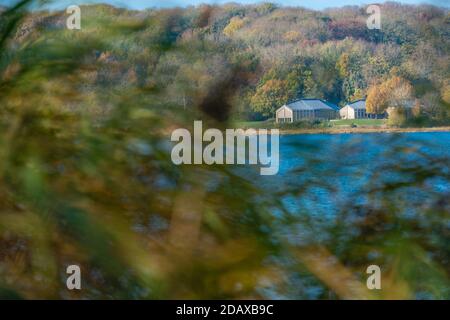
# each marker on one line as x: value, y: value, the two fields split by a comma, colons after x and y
x: 354, y: 110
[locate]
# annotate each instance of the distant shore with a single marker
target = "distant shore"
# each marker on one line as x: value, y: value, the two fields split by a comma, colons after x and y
x: 350, y: 130
x: 336, y: 130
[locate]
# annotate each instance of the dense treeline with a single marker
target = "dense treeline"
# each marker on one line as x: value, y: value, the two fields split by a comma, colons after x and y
x: 272, y: 54
x: 86, y: 176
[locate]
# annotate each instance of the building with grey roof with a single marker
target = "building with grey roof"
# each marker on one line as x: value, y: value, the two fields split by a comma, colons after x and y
x: 354, y: 110
x: 357, y: 110
x: 306, y: 109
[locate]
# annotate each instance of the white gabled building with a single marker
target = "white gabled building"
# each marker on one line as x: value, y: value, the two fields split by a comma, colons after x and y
x: 355, y: 110
x: 306, y: 109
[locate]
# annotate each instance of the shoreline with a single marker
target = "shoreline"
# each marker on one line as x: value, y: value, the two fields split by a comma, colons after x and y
x: 362, y: 130
x: 335, y: 130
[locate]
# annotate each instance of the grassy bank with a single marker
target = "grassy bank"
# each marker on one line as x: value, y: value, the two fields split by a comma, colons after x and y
x: 342, y: 130
x: 359, y: 122
x: 335, y: 126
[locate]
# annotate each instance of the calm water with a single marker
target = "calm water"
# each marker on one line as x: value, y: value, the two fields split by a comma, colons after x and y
x: 326, y: 172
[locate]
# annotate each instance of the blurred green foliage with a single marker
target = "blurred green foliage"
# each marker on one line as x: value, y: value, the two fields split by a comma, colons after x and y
x: 86, y: 177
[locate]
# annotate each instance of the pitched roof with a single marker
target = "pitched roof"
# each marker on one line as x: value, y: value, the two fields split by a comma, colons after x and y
x: 360, y: 104
x: 311, y: 104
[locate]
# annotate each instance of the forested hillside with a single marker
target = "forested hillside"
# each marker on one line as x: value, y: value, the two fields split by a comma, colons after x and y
x: 87, y: 178
x: 269, y: 54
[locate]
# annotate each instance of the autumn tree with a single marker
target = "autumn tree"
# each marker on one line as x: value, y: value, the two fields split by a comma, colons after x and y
x: 395, y: 92
x: 269, y: 96
x: 235, y: 24
x: 445, y: 93
x: 431, y: 105
x: 349, y: 67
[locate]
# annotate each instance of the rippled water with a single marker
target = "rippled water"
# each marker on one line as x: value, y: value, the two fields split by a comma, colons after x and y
x: 330, y: 171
